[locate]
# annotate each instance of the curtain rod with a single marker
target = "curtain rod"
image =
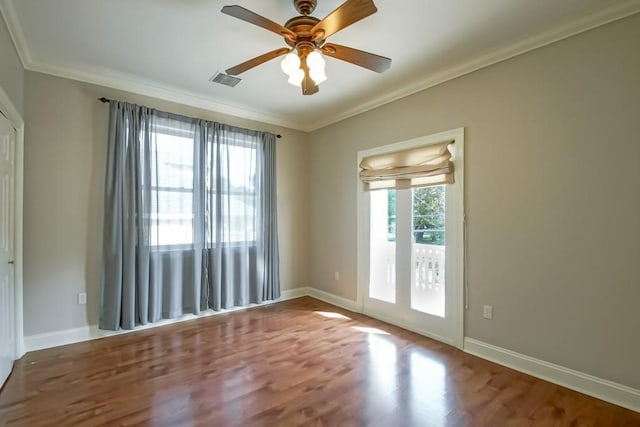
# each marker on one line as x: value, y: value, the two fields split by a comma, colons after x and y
x: 105, y: 100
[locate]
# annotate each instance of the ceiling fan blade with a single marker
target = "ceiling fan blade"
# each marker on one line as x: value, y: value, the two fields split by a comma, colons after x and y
x: 370, y: 61
x: 348, y: 13
x: 255, y: 19
x: 254, y: 62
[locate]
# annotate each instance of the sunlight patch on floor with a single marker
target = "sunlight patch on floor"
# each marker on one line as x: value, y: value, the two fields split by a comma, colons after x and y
x: 368, y: 330
x: 332, y: 315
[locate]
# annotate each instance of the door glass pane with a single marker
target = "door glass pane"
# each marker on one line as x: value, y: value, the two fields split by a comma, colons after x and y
x: 382, y: 262
x: 428, y: 281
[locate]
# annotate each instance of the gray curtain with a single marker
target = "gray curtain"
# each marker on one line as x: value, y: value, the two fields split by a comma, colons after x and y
x: 190, y: 217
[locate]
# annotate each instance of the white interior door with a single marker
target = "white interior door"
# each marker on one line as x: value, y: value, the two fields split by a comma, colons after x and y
x: 7, y: 223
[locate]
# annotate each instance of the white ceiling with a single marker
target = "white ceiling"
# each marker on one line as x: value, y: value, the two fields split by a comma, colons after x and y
x: 170, y: 48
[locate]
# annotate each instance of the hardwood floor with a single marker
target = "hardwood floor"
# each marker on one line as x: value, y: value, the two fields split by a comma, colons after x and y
x: 299, y: 362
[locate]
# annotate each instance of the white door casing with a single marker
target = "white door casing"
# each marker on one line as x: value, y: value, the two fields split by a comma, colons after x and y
x: 7, y: 248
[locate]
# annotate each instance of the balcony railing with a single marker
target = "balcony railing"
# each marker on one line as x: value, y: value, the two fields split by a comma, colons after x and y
x: 427, y: 281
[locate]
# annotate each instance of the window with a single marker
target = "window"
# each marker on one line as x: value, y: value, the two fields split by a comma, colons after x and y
x: 237, y: 185
x: 429, y: 215
x: 391, y: 216
x: 172, y: 190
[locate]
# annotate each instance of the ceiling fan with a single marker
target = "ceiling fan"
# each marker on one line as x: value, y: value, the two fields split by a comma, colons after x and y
x: 306, y: 37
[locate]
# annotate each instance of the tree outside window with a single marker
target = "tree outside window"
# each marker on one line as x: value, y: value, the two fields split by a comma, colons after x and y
x: 428, y: 215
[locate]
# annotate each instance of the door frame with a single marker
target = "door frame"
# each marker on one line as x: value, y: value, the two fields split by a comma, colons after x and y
x: 362, y: 273
x: 15, y: 118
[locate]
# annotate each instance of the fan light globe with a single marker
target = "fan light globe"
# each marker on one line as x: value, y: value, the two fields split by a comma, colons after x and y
x: 316, y: 64
x: 296, y: 77
x: 317, y: 75
x: 290, y: 63
x: 315, y: 60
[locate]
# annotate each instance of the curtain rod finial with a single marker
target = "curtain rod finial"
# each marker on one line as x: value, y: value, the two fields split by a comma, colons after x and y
x: 104, y: 100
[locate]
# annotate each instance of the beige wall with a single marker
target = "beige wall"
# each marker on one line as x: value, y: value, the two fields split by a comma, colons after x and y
x: 65, y: 149
x: 11, y: 71
x: 552, y: 174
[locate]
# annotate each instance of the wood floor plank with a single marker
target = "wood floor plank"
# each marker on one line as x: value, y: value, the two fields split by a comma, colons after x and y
x: 296, y: 363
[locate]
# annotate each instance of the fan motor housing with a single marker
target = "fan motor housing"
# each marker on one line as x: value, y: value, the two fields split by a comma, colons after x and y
x: 301, y: 25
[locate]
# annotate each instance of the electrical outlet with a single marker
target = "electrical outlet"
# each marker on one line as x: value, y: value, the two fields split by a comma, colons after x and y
x: 82, y: 298
x: 487, y: 312
x: 336, y: 275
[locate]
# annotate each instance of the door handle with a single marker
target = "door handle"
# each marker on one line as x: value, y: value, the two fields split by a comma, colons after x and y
x: 11, y: 262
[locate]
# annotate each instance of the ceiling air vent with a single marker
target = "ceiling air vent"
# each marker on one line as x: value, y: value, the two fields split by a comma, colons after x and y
x: 225, y: 79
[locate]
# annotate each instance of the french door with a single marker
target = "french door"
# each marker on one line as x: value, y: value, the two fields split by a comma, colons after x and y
x: 7, y: 306
x: 410, y: 255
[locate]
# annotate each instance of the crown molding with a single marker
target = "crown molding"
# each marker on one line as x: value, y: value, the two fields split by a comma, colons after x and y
x: 115, y: 80
x: 575, y: 27
x: 153, y: 89
x: 16, y: 32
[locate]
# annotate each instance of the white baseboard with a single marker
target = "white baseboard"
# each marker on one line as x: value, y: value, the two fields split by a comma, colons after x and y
x: 57, y: 338
x: 608, y: 391
x: 293, y: 293
x: 91, y: 332
x: 336, y: 300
